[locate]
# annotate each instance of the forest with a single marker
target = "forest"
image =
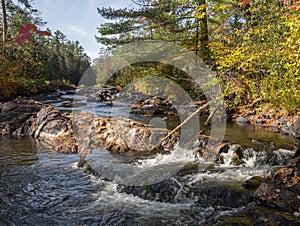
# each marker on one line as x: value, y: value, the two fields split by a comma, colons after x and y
x: 251, y: 45
x: 35, y: 62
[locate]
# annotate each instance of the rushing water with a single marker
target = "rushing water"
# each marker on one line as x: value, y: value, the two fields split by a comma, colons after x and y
x: 39, y: 186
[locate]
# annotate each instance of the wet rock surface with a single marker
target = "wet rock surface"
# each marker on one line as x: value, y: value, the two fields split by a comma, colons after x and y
x: 55, y: 129
x: 103, y: 94
x: 175, y: 190
x: 270, y: 216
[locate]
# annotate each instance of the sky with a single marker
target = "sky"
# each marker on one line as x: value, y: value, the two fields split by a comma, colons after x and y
x: 77, y: 19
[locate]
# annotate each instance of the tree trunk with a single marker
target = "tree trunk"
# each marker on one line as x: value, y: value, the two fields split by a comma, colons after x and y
x: 204, y: 39
x: 4, y: 21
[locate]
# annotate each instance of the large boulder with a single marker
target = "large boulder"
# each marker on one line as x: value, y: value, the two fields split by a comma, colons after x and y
x: 43, y: 122
x: 55, y: 129
x: 118, y: 135
x: 18, y: 117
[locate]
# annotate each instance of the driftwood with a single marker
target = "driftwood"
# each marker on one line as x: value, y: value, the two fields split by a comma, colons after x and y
x: 202, y: 108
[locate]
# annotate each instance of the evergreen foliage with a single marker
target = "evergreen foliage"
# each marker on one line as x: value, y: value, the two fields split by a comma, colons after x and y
x: 43, y: 63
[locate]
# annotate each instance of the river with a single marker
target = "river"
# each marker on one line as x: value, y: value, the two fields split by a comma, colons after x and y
x: 39, y: 186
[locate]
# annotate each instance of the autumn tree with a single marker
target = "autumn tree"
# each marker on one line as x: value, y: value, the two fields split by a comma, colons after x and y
x: 259, y: 57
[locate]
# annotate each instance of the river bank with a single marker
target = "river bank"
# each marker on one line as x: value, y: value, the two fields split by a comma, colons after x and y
x: 259, y: 113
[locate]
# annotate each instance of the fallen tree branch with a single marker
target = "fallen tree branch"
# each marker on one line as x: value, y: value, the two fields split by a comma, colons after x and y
x: 210, y: 116
x: 205, y: 124
x: 202, y: 108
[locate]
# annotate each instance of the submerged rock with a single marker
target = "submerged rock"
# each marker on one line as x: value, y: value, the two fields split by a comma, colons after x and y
x: 176, y: 190
x: 252, y: 183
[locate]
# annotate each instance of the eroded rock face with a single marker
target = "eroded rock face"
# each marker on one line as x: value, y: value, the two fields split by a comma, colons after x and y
x: 118, y: 135
x: 43, y: 122
x: 18, y: 118
x: 55, y: 128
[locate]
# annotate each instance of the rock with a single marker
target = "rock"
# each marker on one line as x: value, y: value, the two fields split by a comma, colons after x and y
x: 252, y: 183
x: 208, y: 194
x: 297, y: 153
x: 223, y: 195
x: 281, y: 189
x: 119, y: 135
x: 18, y: 117
x: 55, y: 129
x: 270, y: 216
x: 294, y: 163
x: 50, y: 123
x: 296, y: 128
x: 189, y: 169
x: 241, y: 119
x: 278, y: 157
x: 30, y: 118
x: 234, y: 154
x: 152, y: 106
x: 287, y: 130
x: 104, y: 94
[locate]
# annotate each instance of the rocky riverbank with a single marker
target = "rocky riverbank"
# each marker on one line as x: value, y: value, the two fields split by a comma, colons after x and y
x: 268, y: 118
x: 49, y: 125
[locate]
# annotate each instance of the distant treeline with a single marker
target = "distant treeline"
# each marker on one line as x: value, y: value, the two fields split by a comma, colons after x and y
x: 43, y: 63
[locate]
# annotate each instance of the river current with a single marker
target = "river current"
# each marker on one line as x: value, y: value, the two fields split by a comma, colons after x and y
x: 39, y: 186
